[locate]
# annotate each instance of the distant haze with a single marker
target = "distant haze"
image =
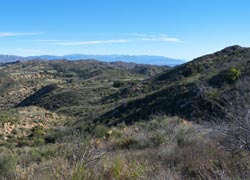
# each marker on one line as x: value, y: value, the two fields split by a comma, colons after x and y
x: 143, y: 59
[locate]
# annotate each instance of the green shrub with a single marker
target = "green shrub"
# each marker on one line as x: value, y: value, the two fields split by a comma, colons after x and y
x: 8, y: 164
x: 116, y: 133
x: 157, y: 139
x: 37, y: 131
x: 35, y: 155
x: 229, y: 76
x: 23, y: 141
x: 192, y: 69
x: 127, y: 143
x: 118, y: 84
x: 118, y: 168
x: 38, y: 141
x: 232, y: 74
x: 100, y: 131
x: 4, y: 118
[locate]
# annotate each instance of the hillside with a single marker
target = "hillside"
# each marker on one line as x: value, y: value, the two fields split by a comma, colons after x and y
x: 87, y: 119
x: 61, y: 85
x: 127, y: 92
x: 198, y: 90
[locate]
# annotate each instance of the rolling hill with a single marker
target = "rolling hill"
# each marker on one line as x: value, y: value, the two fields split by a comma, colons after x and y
x: 87, y: 119
x: 196, y: 90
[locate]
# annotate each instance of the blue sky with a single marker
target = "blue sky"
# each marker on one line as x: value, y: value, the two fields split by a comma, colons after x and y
x: 174, y: 28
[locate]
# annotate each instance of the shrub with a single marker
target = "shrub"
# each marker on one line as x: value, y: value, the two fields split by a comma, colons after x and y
x: 118, y: 168
x: 157, y: 139
x: 35, y: 155
x: 8, y: 164
x: 23, y: 141
x: 118, y: 84
x: 229, y: 76
x: 192, y: 69
x: 38, y: 141
x: 232, y: 74
x: 100, y: 131
x: 37, y: 131
x: 126, y: 143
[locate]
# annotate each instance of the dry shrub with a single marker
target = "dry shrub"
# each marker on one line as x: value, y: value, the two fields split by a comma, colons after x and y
x: 7, y: 164
x: 188, y: 154
x: 119, y: 168
x: 54, y: 169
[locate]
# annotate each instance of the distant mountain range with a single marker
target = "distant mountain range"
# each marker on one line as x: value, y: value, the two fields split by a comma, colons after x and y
x: 143, y: 59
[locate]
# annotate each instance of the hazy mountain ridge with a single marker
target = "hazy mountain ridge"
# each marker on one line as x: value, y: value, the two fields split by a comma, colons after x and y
x: 143, y: 59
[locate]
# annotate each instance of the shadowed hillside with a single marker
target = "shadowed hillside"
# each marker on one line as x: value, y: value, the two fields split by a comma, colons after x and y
x: 195, y: 90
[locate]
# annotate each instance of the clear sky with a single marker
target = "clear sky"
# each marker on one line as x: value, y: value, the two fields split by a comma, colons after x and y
x: 174, y: 28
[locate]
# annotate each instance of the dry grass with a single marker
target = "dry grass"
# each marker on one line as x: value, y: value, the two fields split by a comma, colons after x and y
x: 164, y: 148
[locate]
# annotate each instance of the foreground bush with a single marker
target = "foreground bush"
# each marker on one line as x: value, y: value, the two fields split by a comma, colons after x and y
x: 164, y: 148
x: 8, y: 164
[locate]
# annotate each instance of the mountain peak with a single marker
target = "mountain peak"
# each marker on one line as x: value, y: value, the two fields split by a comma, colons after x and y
x: 233, y: 48
x: 233, y: 51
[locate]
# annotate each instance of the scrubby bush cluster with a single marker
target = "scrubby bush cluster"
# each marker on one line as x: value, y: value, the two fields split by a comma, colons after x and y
x: 163, y: 148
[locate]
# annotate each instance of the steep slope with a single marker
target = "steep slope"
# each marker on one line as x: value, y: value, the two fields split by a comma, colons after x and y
x: 198, y: 90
